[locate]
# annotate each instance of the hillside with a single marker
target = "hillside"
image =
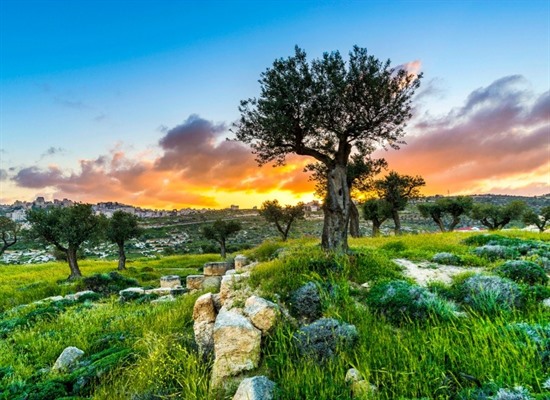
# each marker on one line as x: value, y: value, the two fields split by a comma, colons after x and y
x: 453, y: 339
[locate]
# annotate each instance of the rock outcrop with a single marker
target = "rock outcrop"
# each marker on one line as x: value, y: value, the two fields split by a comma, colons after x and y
x: 262, y: 313
x: 256, y: 388
x: 67, y: 359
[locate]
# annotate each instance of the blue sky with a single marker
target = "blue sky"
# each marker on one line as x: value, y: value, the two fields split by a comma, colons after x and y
x: 84, y: 79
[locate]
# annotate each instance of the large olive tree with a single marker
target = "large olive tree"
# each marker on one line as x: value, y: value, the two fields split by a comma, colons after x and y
x: 328, y: 109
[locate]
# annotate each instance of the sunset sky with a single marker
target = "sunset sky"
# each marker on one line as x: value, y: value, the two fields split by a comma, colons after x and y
x: 132, y: 101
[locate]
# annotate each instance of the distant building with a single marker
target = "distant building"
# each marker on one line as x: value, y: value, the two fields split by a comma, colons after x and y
x: 234, y: 207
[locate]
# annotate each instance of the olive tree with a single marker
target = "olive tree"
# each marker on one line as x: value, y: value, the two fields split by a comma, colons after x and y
x: 219, y: 231
x: 328, y: 109
x: 446, y: 212
x: 377, y: 211
x: 9, y: 230
x: 282, y: 217
x: 121, y: 227
x: 67, y: 228
x: 496, y: 217
x: 530, y: 217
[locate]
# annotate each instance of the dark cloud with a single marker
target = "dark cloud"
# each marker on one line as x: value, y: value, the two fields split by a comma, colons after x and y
x: 52, y: 151
x: 36, y: 178
x: 501, y: 129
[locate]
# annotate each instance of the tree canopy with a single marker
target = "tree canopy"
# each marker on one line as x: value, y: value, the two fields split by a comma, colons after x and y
x: 66, y: 228
x: 446, y: 212
x: 377, y: 211
x: 121, y: 227
x: 282, y: 217
x: 531, y: 217
x: 496, y: 217
x: 328, y: 109
x: 219, y: 231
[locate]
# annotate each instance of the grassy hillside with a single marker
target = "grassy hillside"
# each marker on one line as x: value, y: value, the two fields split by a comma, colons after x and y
x: 136, y: 350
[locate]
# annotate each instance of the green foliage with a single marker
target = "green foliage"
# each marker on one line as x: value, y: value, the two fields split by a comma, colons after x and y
x: 401, y: 301
x: 9, y: 231
x: 446, y: 211
x: 377, y: 211
x: 523, y: 272
x: 490, y: 295
x: 447, y: 258
x: 496, y: 217
x: 530, y: 217
x: 494, y: 252
x: 220, y: 231
x: 109, y: 283
x: 282, y: 217
x: 266, y: 251
x: 122, y: 226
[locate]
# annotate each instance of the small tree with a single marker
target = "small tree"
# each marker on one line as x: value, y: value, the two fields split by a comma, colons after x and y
x: 377, y: 211
x: 328, y: 109
x: 446, y: 212
x: 530, y: 217
x: 121, y: 227
x: 397, y: 190
x: 496, y: 217
x: 282, y: 217
x: 9, y: 230
x: 66, y: 228
x: 219, y: 231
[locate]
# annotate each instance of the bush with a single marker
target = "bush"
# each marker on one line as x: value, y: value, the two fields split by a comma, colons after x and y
x: 490, y: 294
x: 401, y: 301
x: 523, y: 272
x: 394, y: 247
x: 447, y: 258
x: 110, y: 283
x: 494, y: 252
x: 321, y: 339
x: 305, y: 303
x: 266, y: 251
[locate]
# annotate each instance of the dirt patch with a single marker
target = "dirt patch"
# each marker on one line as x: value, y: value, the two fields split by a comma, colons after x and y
x: 424, y: 272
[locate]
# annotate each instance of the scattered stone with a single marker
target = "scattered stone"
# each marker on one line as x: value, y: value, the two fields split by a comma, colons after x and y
x: 164, y: 299
x: 159, y: 291
x: 240, y: 262
x: 53, y: 298
x: 353, y: 375
x: 262, y: 313
x: 236, y: 346
x: 178, y: 291
x: 229, y: 284
x: 212, y: 283
x: 67, y: 359
x: 131, y: 293
x: 230, y: 272
x: 170, y: 281
x: 204, y: 337
x: 204, y: 309
x: 366, y: 285
x: 215, y: 268
x: 256, y: 388
x: 217, y: 301
x: 305, y: 303
x: 194, y: 282
x: 321, y: 339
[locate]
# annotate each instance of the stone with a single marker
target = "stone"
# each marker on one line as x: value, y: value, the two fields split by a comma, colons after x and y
x: 255, y: 388
x: 240, y: 262
x: 164, y: 299
x: 131, y: 293
x: 67, y: 359
x: 362, y: 390
x: 215, y: 268
x: 229, y: 284
x: 53, y: 298
x: 170, y: 281
x: 160, y: 291
x: 194, y: 282
x: 78, y: 295
x: 236, y: 346
x: 353, y: 375
x: 211, y: 283
x: 230, y: 272
x: 178, y: 291
x: 366, y: 285
x: 262, y: 313
x: 204, y: 309
x: 204, y: 337
x: 546, y: 302
x: 217, y: 301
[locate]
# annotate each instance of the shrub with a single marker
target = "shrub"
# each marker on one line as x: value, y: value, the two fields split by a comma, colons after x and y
x: 494, y: 252
x: 266, y: 251
x: 400, y: 301
x: 523, y: 272
x: 490, y: 294
x: 321, y: 339
x: 305, y: 303
x: 394, y: 247
x: 447, y: 258
x: 110, y: 283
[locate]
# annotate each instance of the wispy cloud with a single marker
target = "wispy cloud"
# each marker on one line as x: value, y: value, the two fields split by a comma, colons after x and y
x: 52, y: 151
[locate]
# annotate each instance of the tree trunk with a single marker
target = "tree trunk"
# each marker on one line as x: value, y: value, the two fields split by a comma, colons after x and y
x: 354, y: 220
x: 375, y: 228
x: 222, y: 246
x: 396, y: 221
x: 336, y: 210
x: 73, y: 263
x: 121, y: 257
x: 440, y: 224
x: 454, y: 223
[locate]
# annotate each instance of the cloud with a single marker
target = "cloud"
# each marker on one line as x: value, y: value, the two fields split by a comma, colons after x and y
x: 412, y: 67
x: 52, y: 151
x: 71, y: 103
x: 3, y: 175
x: 35, y: 178
x: 501, y: 129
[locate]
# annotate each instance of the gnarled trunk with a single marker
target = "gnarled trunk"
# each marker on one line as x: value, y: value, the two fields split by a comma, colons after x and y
x: 73, y: 263
x: 376, y: 228
x: 121, y: 257
x: 222, y: 248
x: 354, y: 230
x: 396, y: 221
x: 336, y: 210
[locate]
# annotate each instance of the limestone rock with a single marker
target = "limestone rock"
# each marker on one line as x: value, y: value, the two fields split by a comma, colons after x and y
x: 131, y: 293
x: 211, y: 283
x: 217, y: 302
x: 53, y: 298
x: 204, y: 309
x: 194, y: 282
x: 67, y: 359
x: 215, y: 268
x: 262, y: 313
x: 164, y: 299
x: 240, y: 262
x: 353, y: 375
x: 256, y: 388
x: 236, y: 346
x: 546, y: 302
x: 204, y: 337
x: 161, y: 291
x: 170, y: 281
x: 229, y: 284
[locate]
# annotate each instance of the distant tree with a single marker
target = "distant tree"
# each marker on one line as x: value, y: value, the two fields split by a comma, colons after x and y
x: 67, y: 228
x: 219, y: 231
x: 377, y: 211
x: 530, y: 217
x: 328, y: 109
x: 121, y: 227
x: 446, y: 212
x: 9, y: 230
x: 397, y: 190
x: 282, y: 217
x: 360, y: 172
x: 496, y: 217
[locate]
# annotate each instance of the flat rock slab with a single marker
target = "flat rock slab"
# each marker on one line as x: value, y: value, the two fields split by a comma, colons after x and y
x: 170, y: 281
x: 215, y: 268
x: 426, y: 272
x: 194, y: 282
